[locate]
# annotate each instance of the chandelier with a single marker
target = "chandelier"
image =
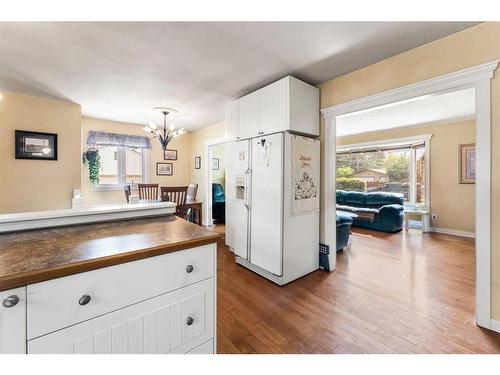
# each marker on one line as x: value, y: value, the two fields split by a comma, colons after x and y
x: 166, y: 134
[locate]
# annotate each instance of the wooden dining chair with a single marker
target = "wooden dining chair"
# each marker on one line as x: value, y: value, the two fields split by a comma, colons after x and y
x: 192, y: 191
x: 148, y: 191
x: 127, y: 192
x: 176, y: 194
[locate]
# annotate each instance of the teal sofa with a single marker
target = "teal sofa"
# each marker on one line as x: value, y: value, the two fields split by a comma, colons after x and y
x: 218, y: 204
x: 378, y: 211
x: 344, y: 223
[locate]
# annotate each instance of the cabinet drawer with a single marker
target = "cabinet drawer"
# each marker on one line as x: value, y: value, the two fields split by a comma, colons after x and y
x: 176, y: 322
x: 55, y: 304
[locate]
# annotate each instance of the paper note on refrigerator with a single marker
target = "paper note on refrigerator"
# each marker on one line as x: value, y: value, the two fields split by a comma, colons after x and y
x: 263, y: 153
x: 305, y: 175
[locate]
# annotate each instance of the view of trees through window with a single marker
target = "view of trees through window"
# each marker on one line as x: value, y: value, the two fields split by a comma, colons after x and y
x: 384, y: 171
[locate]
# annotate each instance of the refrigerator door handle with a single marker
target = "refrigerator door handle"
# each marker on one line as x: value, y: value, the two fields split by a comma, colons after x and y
x: 247, y: 179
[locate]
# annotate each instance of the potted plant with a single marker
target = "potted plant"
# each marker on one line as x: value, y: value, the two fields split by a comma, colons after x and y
x: 93, y: 160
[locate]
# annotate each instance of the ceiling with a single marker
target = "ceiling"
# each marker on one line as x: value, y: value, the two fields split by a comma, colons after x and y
x: 120, y: 70
x: 443, y: 108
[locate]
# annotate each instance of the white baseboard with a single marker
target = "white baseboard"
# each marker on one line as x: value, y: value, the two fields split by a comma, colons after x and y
x: 418, y: 225
x: 453, y: 232
x: 495, y: 325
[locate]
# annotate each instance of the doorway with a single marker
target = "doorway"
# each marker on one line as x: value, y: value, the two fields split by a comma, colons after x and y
x: 215, y: 185
x: 478, y: 78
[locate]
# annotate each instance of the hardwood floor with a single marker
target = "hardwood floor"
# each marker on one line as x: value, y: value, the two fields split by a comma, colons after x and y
x: 391, y: 293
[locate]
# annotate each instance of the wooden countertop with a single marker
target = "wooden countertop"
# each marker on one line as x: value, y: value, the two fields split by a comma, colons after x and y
x: 39, y: 255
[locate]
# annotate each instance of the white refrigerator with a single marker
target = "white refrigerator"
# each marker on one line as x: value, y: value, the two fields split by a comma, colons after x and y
x: 272, y: 205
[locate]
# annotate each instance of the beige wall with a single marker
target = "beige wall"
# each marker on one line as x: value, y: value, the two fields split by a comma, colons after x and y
x: 219, y: 176
x: 38, y: 185
x: 452, y: 202
x: 181, y: 167
x: 464, y: 49
x: 198, y: 139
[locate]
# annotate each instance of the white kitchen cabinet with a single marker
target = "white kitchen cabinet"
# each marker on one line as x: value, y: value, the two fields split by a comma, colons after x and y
x: 248, y: 116
x: 176, y: 322
x: 232, y: 121
x: 205, y: 348
x: 112, y: 288
x: 160, y: 304
x: 285, y: 105
x: 303, y: 107
x: 273, y: 110
x: 13, y: 321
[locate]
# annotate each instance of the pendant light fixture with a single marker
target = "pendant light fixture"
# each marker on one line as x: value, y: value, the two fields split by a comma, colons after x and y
x: 165, y: 134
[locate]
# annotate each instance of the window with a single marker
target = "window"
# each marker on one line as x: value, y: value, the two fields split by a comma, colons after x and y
x: 133, y: 165
x: 121, y: 165
x: 109, y: 165
x: 391, y: 166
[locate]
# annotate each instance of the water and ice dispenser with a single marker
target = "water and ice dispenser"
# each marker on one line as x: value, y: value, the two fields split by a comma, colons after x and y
x: 241, y: 187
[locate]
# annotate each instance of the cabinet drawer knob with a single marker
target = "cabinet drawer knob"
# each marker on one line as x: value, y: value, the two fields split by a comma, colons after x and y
x: 190, y: 320
x: 10, y: 301
x: 189, y: 268
x: 84, y: 300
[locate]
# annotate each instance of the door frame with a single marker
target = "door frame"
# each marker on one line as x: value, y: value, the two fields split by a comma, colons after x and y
x: 478, y: 77
x: 207, y: 212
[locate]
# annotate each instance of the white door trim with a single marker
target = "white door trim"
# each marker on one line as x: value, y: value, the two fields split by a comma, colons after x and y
x: 207, y: 210
x: 478, y: 77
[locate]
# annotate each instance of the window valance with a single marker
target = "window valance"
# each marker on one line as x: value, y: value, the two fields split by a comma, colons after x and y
x: 96, y: 138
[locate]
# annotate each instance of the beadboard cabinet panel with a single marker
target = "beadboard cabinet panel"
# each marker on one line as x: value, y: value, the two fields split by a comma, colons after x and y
x: 288, y: 104
x: 55, y: 304
x: 13, y: 321
x: 176, y: 322
x: 273, y: 108
x: 232, y: 121
x: 248, y: 116
x: 205, y: 348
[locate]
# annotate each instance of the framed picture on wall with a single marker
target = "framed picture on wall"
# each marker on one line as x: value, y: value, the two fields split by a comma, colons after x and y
x: 197, y: 162
x: 35, y: 145
x: 164, y: 169
x: 215, y: 164
x: 170, y: 155
x: 467, y: 165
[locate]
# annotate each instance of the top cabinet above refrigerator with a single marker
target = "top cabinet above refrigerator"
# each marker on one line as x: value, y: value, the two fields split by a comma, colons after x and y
x: 285, y: 105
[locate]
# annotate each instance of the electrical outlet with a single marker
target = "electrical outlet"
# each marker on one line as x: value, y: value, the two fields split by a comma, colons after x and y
x: 434, y: 217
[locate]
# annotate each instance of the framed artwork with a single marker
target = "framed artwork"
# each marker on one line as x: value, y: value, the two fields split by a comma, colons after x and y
x: 170, y: 155
x: 197, y: 162
x: 467, y: 164
x: 164, y: 169
x: 35, y: 145
x: 215, y: 164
